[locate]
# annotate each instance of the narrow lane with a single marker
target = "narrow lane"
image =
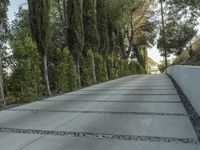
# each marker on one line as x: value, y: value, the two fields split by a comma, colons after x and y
x: 142, y: 112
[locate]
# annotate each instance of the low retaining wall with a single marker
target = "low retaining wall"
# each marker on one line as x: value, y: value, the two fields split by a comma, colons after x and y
x: 188, y: 78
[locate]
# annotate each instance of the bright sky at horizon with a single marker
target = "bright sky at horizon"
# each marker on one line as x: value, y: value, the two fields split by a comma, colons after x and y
x: 14, y: 6
x: 154, y: 54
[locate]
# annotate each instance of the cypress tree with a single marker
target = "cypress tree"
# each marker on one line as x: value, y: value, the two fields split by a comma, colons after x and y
x: 75, y: 31
x: 102, y: 22
x: 91, y: 35
x: 111, y: 35
x: 86, y: 68
x: 3, y: 38
x: 40, y: 27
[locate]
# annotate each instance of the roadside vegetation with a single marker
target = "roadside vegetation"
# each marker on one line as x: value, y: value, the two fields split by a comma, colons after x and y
x: 181, y: 20
x: 56, y: 46
x: 191, y: 57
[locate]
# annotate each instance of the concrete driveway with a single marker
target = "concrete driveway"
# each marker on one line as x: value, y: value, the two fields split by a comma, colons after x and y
x: 142, y: 112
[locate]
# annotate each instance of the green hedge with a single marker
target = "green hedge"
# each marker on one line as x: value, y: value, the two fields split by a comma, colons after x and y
x: 100, y: 68
x: 86, y: 69
x: 136, y: 68
x: 110, y: 68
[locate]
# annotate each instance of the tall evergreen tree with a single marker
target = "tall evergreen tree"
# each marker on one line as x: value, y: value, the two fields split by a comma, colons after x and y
x: 40, y: 27
x: 102, y: 23
x: 91, y: 35
x: 3, y: 38
x: 25, y: 82
x: 75, y: 31
x: 111, y: 35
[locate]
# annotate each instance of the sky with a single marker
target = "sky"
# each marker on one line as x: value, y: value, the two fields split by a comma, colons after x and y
x: 154, y: 54
x: 14, y: 5
x: 13, y: 8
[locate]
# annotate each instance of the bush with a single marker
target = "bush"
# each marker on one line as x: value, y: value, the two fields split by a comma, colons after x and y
x: 116, y: 67
x: 24, y: 83
x: 72, y: 74
x: 86, y: 69
x: 136, y: 68
x: 100, y: 68
x: 126, y: 68
x: 181, y: 59
x: 110, y: 68
x: 65, y: 71
x: 123, y: 68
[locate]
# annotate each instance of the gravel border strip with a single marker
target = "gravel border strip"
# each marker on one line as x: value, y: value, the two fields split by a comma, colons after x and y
x: 100, y: 86
x: 137, y: 85
x: 129, y: 90
x: 162, y: 94
x: 109, y: 101
x: 193, y: 115
x: 102, y: 136
x: 101, y: 112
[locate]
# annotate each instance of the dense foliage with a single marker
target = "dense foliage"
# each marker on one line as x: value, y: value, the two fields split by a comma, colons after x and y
x: 3, y: 39
x: 63, y: 45
x: 179, y: 27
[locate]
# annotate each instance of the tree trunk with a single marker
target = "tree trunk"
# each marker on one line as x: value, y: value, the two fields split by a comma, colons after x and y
x: 78, y: 70
x: 94, y: 70
x: 62, y: 85
x: 106, y: 69
x: 22, y: 91
x: 2, y: 98
x: 190, y: 50
x: 45, y: 74
x: 40, y: 29
x: 36, y: 89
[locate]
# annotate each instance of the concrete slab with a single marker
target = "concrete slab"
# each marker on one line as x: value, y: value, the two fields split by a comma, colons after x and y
x: 59, y: 105
x: 16, y: 141
x: 161, y: 126
x: 118, y: 97
x: 107, y: 88
x: 71, y: 143
x: 108, y: 106
x: 129, y: 92
x: 140, y: 107
x: 34, y: 120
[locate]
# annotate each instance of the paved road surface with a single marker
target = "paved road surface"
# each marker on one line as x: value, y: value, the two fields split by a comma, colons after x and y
x: 141, y: 112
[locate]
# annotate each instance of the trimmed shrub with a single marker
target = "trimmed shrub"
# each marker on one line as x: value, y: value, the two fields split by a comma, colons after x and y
x: 110, y: 68
x: 65, y: 71
x: 86, y: 69
x: 136, y: 68
x: 123, y: 68
x: 100, y: 68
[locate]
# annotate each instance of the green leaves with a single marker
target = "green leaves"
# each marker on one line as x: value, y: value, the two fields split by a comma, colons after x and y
x: 180, y: 22
x: 40, y: 28
x: 91, y: 34
x: 75, y: 27
x: 101, y: 36
x: 26, y: 76
x: 177, y: 37
x: 100, y: 68
x: 86, y: 68
x: 65, y: 71
x: 102, y: 24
